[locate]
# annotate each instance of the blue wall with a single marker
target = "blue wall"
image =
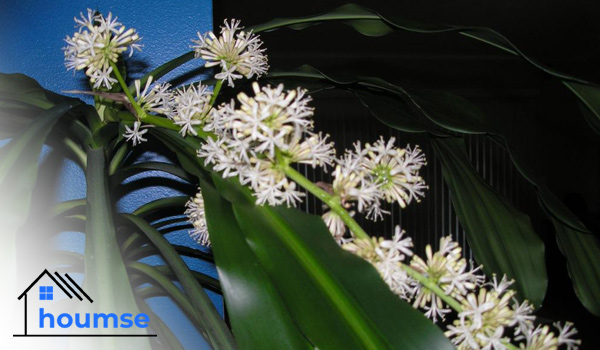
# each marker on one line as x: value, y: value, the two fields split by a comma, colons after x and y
x: 31, y: 37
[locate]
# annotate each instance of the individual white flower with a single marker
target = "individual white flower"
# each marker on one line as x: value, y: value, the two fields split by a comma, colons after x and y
x: 566, y: 334
x: 197, y: 217
x: 502, y: 286
x: 314, y: 150
x: 102, y: 77
x: 190, y: 108
x: 387, y: 257
x: 523, y: 317
x: 234, y: 51
x: 335, y: 224
x: 494, y: 341
x: 461, y: 336
x: 98, y: 41
x: 228, y: 74
x: 448, y: 270
x: 539, y: 338
x: 154, y: 99
x: 135, y: 134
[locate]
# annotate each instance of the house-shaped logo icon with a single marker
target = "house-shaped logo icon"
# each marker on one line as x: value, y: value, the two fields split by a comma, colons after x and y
x: 47, y: 292
x: 47, y: 295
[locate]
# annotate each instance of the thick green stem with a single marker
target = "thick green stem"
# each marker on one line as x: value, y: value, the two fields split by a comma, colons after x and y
x: 433, y: 287
x: 140, y: 112
x: 332, y: 202
x: 215, y: 93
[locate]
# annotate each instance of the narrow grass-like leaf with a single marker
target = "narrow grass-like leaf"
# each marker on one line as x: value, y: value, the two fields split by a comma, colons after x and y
x: 138, y: 168
x: 217, y: 332
x: 159, y: 279
x: 166, y: 338
x: 105, y: 273
x: 162, y: 203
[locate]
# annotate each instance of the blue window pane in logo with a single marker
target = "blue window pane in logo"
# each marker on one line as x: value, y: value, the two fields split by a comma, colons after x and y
x: 42, y: 296
x: 42, y: 289
x: 49, y: 296
x: 49, y: 289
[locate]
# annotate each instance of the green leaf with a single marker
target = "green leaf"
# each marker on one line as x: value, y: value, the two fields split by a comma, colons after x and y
x: 21, y: 88
x: 66, y: 206
x: 369, y: 22
x: 583, y: 263
x: 137, y: 168
x: 162, y: 203
x: 337, y: 299
x: 259, y: 318
x: 500, y: 236
x: 165, y: 336
x: 165, y: 68
x: 142, y: 252
x: 589, y: 97
x: 216, y: 330
x: 157, y: 278
x: 105, y: 272
x: 18, y: 175
x: 184, y: 148
x: 450, y: 111
x: 393, y: 112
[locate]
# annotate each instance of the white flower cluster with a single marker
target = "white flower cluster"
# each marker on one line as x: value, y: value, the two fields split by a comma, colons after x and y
x: 98, y: 41
x: 387, y: 257
x: 196, y: 216
x: 269, y: 130
x: 190, y: 108
x: 371, y: 174
x: 238, y: 53
x: 449, y: 270
x: 154, y: 99
x: 490, y: 318
x: 187, y: 107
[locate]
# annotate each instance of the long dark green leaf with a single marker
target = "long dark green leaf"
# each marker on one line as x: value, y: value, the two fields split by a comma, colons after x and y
x: 500, y: 236
x: 66, y: 206
x: 583, y: 262
x: 162, y: 203
x: 589, y: 97
x: 337, y: 299
x: 105, y: 272
x: 165, y: 68
x: 218, y: 333
x: 369, y: 22
x: 259, y: 318
x: 21, y: 88
x: 137, y: 168
x: 145, y: 251
x: 206, y: 281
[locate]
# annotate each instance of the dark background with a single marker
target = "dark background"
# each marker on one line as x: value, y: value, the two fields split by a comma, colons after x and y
x: 535, y: 111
